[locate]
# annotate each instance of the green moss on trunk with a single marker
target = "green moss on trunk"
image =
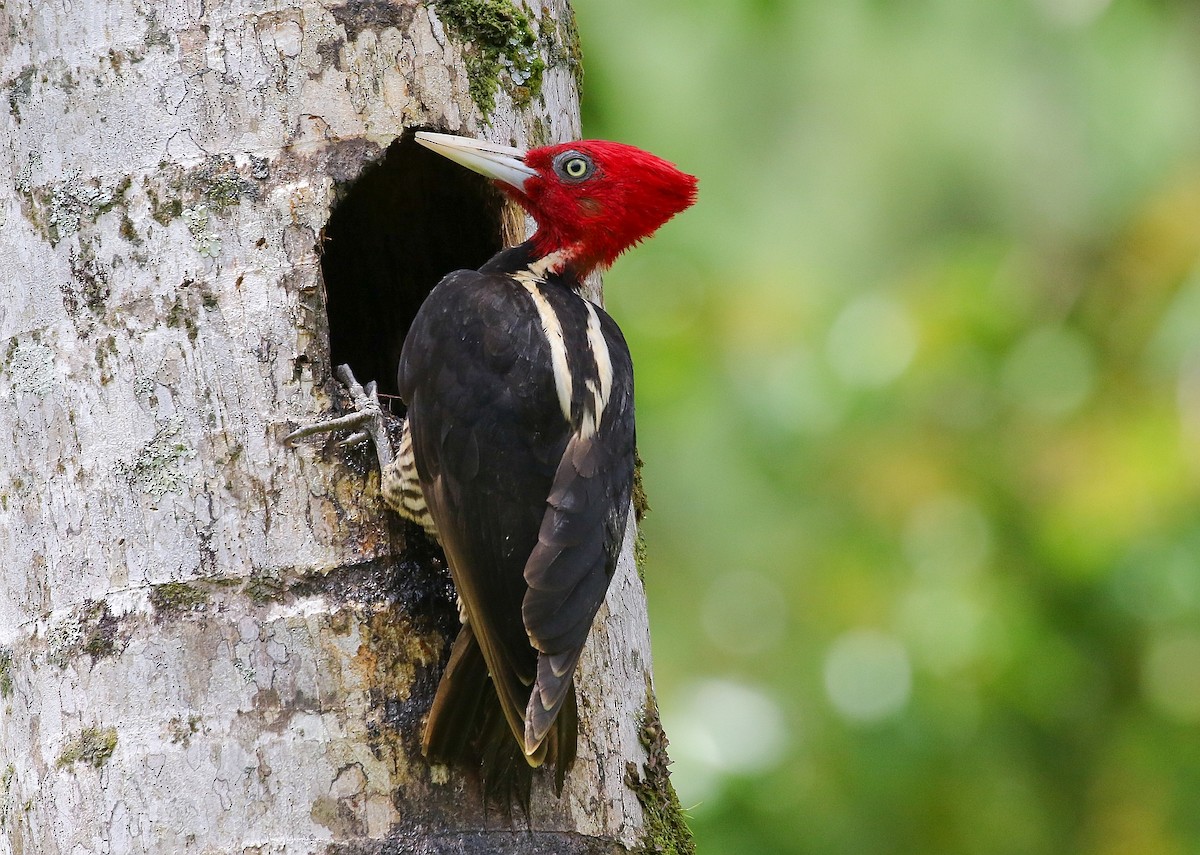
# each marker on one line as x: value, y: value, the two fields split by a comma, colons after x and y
x: 560, y: 43
x: 500, y: 48
x: 666, y: 831
x: 641, y: 507
x: 6, y: 663
x: 94, y: 746
x: 176, y: 597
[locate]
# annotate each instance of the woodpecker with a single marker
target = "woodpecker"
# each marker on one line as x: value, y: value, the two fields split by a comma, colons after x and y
x: 517, y: 452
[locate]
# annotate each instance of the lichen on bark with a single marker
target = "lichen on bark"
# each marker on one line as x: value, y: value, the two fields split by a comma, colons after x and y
x: 500, y: 48
x: 666, y: 831
x: 20, y: 91
x: 91, y: 628
x: 94, y: 746
x: 560, y: 43
x: 173, y: 598
x: 6, y: 662
x: 641, y: 507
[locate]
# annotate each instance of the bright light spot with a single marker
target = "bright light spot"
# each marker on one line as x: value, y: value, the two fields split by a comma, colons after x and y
x: 1051, y: 371
x: 868, y: 676
x: 1175, y: 338
x: 1174, y: 349
x: 744, y: 613
x: 1188, y: 396
x: 871, y: 342
x: 719, y: 728
x: 1073, y: 13
x: 944, y: 627
x: 746, y: 724
x: 947, y: 537
x: 796, y: 394
x: 1171, y: 676
x: 1158, y: 581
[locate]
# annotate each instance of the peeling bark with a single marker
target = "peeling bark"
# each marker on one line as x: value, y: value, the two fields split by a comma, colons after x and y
x: 211, y: 642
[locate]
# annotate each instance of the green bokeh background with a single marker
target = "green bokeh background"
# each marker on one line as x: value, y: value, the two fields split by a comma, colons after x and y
x: 919, y: 399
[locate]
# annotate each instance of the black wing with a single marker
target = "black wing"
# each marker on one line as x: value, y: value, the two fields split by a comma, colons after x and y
x: 523, y: 503
x: 580, y: 537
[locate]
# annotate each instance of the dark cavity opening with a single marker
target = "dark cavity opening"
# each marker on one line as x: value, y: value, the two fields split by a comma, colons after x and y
x: 402, y: 225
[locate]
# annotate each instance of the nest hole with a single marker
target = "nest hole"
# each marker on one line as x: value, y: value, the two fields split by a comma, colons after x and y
x: 403, y: 224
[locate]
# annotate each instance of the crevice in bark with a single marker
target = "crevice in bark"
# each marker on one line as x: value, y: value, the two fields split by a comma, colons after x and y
x: 402, y: 225
x: 482, y: 843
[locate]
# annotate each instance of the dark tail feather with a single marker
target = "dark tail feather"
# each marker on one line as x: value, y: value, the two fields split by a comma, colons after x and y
x: 566, y: 739
x: 463, y: 693
x: 507, y: 778
x: 467, y: 727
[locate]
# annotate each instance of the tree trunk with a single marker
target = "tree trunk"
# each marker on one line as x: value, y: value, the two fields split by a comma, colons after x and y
x: 211, y: 641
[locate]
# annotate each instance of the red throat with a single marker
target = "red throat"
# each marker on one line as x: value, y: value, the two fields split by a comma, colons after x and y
x: 591, y: 221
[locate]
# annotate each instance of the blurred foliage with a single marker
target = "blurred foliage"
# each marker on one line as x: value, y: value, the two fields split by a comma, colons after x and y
x: 919, y: 398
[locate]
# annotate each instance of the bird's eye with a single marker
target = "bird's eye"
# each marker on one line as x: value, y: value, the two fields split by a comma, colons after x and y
x: 575, y: 166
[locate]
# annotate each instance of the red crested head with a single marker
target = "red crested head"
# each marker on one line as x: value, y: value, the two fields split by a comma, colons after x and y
x: 591, y: 199
x: 594, y: 199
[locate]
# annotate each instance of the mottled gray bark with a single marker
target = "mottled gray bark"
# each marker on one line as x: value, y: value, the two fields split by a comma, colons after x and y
x: 210, y: 641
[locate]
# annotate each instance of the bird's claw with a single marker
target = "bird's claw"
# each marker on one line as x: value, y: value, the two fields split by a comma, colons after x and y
x: 355, y: 439
x: 367, y: 418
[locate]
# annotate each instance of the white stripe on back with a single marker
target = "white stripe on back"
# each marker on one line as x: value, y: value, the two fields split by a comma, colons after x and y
x: 554, y: 335
x: 604, y: 371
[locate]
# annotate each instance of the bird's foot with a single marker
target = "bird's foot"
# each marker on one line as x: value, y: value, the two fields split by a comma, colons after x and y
x: 366, y: 421
x: 399, y: 485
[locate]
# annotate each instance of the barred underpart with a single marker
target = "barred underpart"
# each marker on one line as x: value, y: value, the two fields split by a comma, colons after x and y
x: 402, y: 490
x: 402, y: 493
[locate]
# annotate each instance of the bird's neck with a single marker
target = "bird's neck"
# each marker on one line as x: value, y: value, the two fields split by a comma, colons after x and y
x: 527, y: 261
x: 559, y: 264
x: 555, y: 263
x: 573, y: 252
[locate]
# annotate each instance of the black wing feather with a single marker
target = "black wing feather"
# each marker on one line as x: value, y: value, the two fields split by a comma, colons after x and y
x: 579, y: 540
x: 529, y: 512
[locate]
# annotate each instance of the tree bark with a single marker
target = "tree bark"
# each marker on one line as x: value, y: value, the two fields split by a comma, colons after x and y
x: 211, y: 641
